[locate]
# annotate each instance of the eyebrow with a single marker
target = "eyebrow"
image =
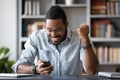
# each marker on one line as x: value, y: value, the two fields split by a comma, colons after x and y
x: 51, y: 28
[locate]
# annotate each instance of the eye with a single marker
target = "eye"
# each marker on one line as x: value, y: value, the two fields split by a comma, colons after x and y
x: 58, y: 30
x: 49, y: 30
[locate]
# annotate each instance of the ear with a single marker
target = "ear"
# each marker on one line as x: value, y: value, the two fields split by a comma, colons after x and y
x: 66, y: 24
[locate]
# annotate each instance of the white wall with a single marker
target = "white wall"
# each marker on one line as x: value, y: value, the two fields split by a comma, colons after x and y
x: 8, y: 26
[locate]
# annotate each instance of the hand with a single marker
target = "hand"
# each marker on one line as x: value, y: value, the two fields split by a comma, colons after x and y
x: 83, y: 32
x: 43, y: 68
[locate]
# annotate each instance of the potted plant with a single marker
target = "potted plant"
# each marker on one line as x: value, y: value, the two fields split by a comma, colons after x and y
x: 5, y: 63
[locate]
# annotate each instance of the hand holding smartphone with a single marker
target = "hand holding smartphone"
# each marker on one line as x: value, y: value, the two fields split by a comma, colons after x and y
x: 46, y: 63
x: 44, y: 67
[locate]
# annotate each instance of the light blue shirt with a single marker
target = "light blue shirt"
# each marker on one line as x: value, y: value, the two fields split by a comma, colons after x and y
x: 67, y: 58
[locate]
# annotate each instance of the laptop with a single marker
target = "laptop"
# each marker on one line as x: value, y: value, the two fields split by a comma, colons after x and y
x: 14, y: 75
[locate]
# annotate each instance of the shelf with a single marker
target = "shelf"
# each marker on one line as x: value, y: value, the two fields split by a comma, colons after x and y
x: 74, y: 5
x: 105, y: 39
x: 105, y: 16
x: 109, y: 64
x: 23, y: 39
x: 33, y: 16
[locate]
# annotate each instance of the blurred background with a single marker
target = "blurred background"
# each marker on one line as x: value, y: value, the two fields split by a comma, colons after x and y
x: 8, y: 23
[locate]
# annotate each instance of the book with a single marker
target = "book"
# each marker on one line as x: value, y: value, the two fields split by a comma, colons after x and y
x: 34, y: 7
x: 109, y: 74
x: 29, y: 7
x: 34, y: 27
x: 38, y: 7
x: 26, y: 7
x: 99, y: 7
x: 14, y: 75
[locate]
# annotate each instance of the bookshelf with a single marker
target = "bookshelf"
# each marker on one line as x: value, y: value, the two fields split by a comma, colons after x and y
x: 105, y: 32
x: 79, y: 12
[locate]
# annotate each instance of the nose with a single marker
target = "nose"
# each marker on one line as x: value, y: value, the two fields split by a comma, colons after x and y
x: 53, y: 33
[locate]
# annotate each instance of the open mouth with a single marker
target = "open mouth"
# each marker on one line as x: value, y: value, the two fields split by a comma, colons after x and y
x: 55, y: 40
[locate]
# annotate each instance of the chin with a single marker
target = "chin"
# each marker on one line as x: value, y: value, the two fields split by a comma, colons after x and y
x: 55, y: 43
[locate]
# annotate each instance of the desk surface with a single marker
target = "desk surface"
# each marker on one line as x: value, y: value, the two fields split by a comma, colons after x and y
x: 42, y: 77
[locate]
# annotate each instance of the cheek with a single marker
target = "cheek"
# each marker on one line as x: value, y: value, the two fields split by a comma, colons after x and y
x: 49, y: 34
x: 62, y: 34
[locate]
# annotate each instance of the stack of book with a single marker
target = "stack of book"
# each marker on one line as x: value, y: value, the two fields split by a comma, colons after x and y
x: 108, y: 54
x: 113, y: 7
x: 32, y: 7
x: 102, y: 28
x: 34, y: 27
x: 98, y: 7
x: 29, y: 28
x: 105, y: 7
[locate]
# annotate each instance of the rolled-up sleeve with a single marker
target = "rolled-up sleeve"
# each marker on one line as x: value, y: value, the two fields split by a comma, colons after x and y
x: 28, y: 54
x: 82, y: 58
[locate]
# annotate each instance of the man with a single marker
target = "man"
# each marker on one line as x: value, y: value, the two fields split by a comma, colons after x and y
x: 67, y: 51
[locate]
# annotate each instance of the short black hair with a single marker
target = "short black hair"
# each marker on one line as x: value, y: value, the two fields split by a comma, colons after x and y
x: 56, y: 12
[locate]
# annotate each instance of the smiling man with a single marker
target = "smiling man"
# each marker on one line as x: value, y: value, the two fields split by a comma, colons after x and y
x: 57, y: 49
x: 56, y: 31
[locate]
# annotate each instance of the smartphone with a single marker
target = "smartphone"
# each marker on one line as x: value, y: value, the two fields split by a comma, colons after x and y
x: 46, y: 63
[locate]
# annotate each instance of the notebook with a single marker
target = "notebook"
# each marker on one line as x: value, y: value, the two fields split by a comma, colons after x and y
x: 14, y: 75
x: 109, y: 74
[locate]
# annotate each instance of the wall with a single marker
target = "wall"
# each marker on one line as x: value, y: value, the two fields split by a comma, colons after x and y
x: 8, y: 26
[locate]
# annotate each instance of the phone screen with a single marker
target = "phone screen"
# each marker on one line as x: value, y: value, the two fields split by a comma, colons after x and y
x: 46, y: 63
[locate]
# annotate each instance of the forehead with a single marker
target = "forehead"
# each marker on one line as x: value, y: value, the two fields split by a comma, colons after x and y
x: 50, y: 23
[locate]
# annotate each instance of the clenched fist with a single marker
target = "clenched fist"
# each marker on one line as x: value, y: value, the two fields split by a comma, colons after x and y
x: 83, y: 32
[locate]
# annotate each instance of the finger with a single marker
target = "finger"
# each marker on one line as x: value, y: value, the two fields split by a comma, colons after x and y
x: 47, y: 68
x: 38, y: 68
x: 47, y: 71
x: 84, y: 28
x: 42, y: 69
x: 80, y: 30
x: 40, y: 61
